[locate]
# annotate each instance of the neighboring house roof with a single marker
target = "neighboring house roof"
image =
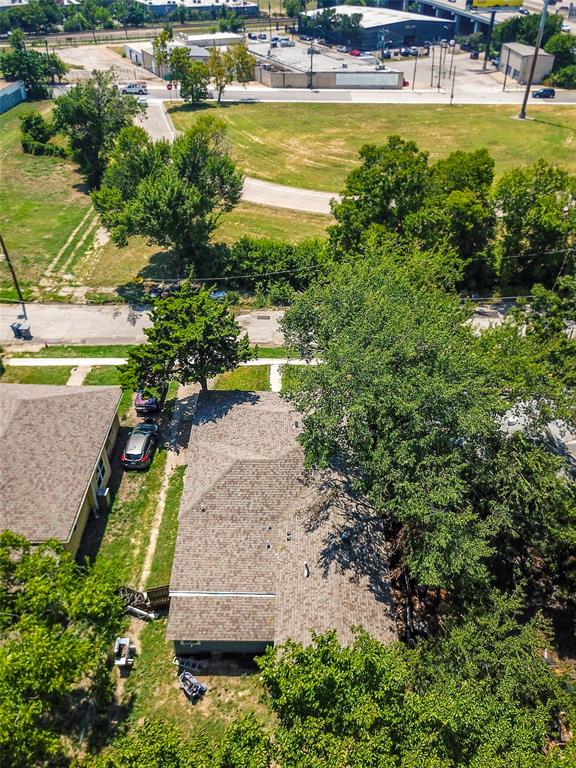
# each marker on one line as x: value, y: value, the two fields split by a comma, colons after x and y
x: 51, y: 438
x: 526, y: 50
x: 266, y: 551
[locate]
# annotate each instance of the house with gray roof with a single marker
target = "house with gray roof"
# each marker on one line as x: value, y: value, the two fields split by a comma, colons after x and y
x: 55, y: 448
x: 265, y: 550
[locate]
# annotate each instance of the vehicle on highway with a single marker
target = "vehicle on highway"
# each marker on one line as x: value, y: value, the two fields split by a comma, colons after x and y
x: 544, y: 93
x: 145, y: 405
x: 355, y: 52
x: 140, y: 447
x: 138, y: 89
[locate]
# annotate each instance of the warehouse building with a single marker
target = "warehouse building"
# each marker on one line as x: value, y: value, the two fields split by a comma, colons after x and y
x: 516, y: 59
x: 382, y: 26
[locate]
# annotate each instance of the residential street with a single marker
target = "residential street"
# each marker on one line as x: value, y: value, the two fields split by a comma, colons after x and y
x: 114, y: 324
x: 121, y: 324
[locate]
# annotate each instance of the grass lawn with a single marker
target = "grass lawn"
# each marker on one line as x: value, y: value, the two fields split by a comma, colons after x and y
x: 53, y: 374
x: 316, y: 145
x: 273, y: 352
x: 166, y: 542
x: 72, y: 350
x: 153, y: 683
x: 110, y: 265
x: 42, y: 201
x: 252, y: 378
x: 123, y: 547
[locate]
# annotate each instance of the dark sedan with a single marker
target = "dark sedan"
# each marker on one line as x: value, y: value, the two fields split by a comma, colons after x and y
x: 140, y: 447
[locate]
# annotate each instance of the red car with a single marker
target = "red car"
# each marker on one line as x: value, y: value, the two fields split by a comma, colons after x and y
x: 355, y: 52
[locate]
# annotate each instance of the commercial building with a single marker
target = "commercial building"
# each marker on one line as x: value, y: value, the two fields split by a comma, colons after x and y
x: 382, y: 25
x: 516, y: 60
x: 55, y: 448
x: 212, y: 7
x: 11, y: 94
x: 266, y: 551
x: 197, y: 46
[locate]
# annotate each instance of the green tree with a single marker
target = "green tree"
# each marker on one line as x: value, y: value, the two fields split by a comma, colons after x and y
x: 92, y: 114
x: 420, y: 427
x: 229, y: 21
x: 235, y: 64
x: 538, y: 222
x: 178, y: 63
x: 193, y: 338
x: 480, y: 696
x: 194, y: 84
x: 57, y: 621
x: 34, y: 69
x: 160, y: 48
x: 293, y: 8
x: 563, y: 48
x: 523, y: 29
x: 172, y: 194
x: 563, y: 78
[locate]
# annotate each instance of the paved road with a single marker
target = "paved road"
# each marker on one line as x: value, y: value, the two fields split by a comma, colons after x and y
x: 158, y: 124
x: 113, y: 324
x: 120, y: 324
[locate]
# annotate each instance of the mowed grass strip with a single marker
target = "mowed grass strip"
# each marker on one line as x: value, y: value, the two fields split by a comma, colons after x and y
x: 166, y: 542
x: 250, y: 378
x: 42, y: 201
x: 76, y: 350
x: 109, y: 375
x: 316, y: 145
x: 53, y: 374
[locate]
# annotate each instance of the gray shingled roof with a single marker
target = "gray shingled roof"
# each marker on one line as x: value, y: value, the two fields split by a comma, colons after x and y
x: 50, y: 441
x: 266, y: 551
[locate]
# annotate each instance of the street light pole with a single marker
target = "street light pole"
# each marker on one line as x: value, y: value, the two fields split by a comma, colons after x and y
x: 270, y: 20
x: 522, y: 113
x: 506, y: 70
x: 452, y: 89
x: 311, y: 65
x: 414, y: 74
x: 432, y: 69
x: 14, y: 278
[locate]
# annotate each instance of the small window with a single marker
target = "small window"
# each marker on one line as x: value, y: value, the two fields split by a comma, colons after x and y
x: 101, y: 472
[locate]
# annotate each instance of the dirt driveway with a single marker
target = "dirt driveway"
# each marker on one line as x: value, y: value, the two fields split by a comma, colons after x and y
x: 85, y: 58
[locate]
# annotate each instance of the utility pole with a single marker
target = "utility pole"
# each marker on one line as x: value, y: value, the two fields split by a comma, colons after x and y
x: 14, y: 278
x: 312, y: 63
x: 522, y: 113
x: 452, y: 89
x: 270, y: 21
x: 432, y: 69
x: 414, y: 73
x: 506, y: 70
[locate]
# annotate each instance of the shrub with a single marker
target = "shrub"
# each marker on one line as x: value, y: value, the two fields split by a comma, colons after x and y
x: 564, y: 78
x: 36, y: 127
x: 33, y: 147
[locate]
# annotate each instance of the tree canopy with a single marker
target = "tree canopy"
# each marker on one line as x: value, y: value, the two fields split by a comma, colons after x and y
x: 57, y: 622
x: 33, y: 68
x: 92, y: 114
x: 173, y: 194
x: 193, y: 337
x: 412, y: 402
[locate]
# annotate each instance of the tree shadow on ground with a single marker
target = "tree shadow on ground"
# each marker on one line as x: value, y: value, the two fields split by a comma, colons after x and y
x: 162, y: 266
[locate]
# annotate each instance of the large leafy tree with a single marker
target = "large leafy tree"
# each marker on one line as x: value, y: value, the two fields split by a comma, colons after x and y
x: 563, y: 48
x: 193, y: 337
x: 57, y: 621
x: 411, y: 401
x: 538, y: 223
x: 481, y: 696
x: 194, y: 83
x: 234, y: 65
x: 173, y: 194
x: 92, y: 114
x: 33, y: 68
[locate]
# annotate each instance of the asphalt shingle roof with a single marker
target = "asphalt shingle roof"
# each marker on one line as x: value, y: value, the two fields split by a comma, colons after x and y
x: 265, y: 550
x: 50, y: 442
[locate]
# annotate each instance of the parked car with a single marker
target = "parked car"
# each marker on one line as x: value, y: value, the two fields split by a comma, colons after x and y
x: 386, y: 54
x: 544, y: 93
x: 144, y: 405
x: 414, y: 50
x: 252, y: 36
x: 342, y: 49
x: 138, y: 89
x: 355, y: 52
x: 140, y: 447
x: 474, y: 55
x: 566, y: 27
x: 523, y: 11
x: 287, y: 43
x: 311, y: 50
x: 496, y: 61
x: 262, y: 36
x: 305, y: 38
x: 404, y: 51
